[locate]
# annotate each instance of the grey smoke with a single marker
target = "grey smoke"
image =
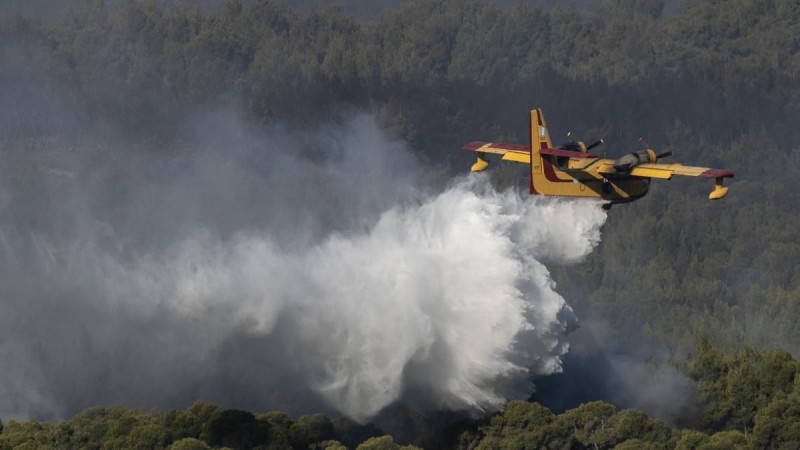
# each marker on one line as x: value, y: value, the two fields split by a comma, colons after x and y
x: 302, y: 270
x: 645, y: 378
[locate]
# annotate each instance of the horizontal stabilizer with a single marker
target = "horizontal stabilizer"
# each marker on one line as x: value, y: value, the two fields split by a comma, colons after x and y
x: 496, y: 147
x: 524, y: 158
x: 511, y: 152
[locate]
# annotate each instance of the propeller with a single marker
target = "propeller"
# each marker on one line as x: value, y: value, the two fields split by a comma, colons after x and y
x: 665, y: 154
x: 597, y: 143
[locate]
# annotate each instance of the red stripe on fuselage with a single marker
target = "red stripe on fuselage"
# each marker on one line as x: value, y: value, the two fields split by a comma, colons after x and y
x: 567, y: 153
x: 530, y: 149
x: 550, y: 172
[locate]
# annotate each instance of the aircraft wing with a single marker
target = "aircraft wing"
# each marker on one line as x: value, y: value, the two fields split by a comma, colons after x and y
x: 666, y: 171
x: 511, y: 152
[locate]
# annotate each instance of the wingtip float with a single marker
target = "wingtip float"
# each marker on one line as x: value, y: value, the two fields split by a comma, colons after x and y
x: 569, y: 170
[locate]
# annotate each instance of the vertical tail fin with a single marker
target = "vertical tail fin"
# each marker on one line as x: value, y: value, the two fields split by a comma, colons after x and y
x: 540, y: 138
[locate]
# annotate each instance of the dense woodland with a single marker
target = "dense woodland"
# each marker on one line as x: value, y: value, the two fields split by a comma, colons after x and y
x: 751, y: 399
x: 717, y: 82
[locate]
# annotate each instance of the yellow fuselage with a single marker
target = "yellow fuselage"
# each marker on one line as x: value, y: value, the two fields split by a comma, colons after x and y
x: 562, y: 176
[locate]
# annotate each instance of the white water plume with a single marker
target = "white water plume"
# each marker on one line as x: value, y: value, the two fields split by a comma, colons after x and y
x: 442, y: 288
x: 439, y: 300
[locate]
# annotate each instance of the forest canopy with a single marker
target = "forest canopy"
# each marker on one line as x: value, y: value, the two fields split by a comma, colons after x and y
x: 750, y: 400
x: 717, y: 82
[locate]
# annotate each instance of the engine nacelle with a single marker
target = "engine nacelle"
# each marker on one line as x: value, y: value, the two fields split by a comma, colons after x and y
x: 632, y: 160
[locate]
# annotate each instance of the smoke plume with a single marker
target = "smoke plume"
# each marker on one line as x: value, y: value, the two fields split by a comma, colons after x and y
x: 314, y: 270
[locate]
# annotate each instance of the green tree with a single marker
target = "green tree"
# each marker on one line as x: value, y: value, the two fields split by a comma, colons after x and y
x: 237, y: 429
x: 522, y: 425
x: 631, y: 424
x: 193, y: 422
x: 690, y: 439
x: 189, y: 444
x: 639, y: 444
x: 331, y: 445
x: 734, y: 388
x: 725, y: 440
x: 777, y: 425
x: 26, y: 434
x: 590, y: 422
x: 383, y: 443
x: 351, y: 433
x: 310, y: 429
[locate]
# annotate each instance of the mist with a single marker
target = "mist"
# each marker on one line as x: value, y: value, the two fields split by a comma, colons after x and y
x: 303, y: 270
x: 319, y: 268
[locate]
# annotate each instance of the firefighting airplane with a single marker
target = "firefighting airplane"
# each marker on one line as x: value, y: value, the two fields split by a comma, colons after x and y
x: 571, y: 171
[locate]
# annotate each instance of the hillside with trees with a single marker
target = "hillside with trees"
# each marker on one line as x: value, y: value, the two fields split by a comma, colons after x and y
x: 751, y: 400
x: 716, y: 82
